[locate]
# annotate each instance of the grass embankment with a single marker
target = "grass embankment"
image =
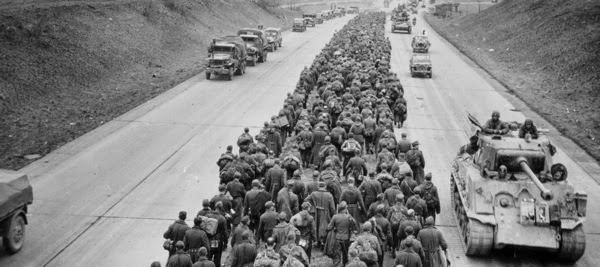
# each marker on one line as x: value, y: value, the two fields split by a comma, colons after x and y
x: 547, y: 52
x: 65, y: 70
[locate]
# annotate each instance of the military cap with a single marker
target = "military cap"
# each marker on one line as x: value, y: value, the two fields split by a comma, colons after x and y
x: 229, y: 148
x: 395, y: 181
x: 205, y: 203
x: 306, y: 205
x: 351, y: 180
x: 315, y: 174
x: 408, y: 241
x: 282, y: 216
x: 380, y: 196
x: 297, y: 173
x: 415, y: 143
x: 366, y: 227
x: 399, y: 197
x: 246, y: 235
x: 383, y: 165
x: 197, y: 220
x: 179, y: 244
x: 246, y: 129
x: 322, y: 184
x: 202, y: 251
x: 290, y: 183
x: 270, y: 241
x: 222, y: 188
x: 409, y: 230
x: 255, y: 182
x: 182, y: 213
x: 219, y: 204
x: 342, y: 206
x: 353, y: 252
x: 269, y: 204
x: 428, y: 176
x: 417, y: 190
x: 429, y: 221
x: 245, y: 219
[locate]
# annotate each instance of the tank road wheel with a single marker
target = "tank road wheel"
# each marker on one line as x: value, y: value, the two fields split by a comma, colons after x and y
x: 479, y: 238
x: 207, y: 75
x: 572, y: 244
x: 15, y: 233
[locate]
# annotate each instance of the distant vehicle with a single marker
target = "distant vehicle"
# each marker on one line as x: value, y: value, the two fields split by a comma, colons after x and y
x: 299, y: 25
x: 509, y: 193
x: 401, y: 26
x: 319, y: 18
x: 420, y: 44
x: 310, y: 18
x: 256, y: 42
x: 420, y: 64
x: 226, y: 56
x: 337, y: 13
x: 274, y: 38
x: 327, y: 14
x: 15, y: 195
x: 353, y: 10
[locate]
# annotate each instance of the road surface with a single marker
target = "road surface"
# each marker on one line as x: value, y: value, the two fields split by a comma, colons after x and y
x: 106, y: 198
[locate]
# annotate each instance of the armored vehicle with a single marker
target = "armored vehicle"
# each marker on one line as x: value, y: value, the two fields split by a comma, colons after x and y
x: 274, y: 38
x: 15, y: 195
x: 310, y: 19
x: 420, y: 64
x: 226, y: 56
x: 420, y: 44
x: 299, y: 25
x: 401, y: 26
x: 508, y: 192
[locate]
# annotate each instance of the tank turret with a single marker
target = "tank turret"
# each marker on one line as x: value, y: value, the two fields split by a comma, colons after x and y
x: 506, y: 191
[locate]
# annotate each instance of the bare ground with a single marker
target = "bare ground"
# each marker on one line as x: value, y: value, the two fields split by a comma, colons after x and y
x: 547, y: 52
x: 66, y: 69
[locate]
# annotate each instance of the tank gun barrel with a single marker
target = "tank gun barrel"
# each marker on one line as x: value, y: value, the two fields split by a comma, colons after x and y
x: 546, y: 194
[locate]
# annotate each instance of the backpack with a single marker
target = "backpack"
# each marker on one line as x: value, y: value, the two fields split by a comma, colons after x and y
x: 209, y: 225
x: 429, y: 198
x: 396, y: 215
x: 412, y: 159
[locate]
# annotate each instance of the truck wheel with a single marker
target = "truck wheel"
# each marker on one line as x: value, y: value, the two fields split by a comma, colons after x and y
x: 274, y: 46
x: 15, y: 233
x: 280, y: 43
x: 208, y: 75
x: 261, y: 58
x: 230, y: 75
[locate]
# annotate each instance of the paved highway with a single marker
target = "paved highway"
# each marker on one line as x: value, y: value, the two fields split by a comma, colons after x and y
x: 106, y: 198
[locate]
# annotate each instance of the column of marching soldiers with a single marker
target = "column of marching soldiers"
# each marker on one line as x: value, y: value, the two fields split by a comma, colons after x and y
x: 342, y: 112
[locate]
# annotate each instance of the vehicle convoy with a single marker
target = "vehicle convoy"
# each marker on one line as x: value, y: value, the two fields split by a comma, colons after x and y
x: 256, y: 43
x: 299, y: 25
x: 15, y: 195
x: 226, y: 56
x: 420, y: 64
x: 274, y: 38
x: 319, y: 18
x: 509, y: 193
x: 401, y: 26
x: 310, y: 19
x: 420, y: 44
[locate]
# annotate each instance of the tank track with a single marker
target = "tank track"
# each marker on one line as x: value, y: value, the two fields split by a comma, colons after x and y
x: 477, y: 238
x: 572, y: 244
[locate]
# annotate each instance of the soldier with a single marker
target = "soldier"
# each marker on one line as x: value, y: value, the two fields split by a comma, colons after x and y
x: 176, y: 231
x: 365, y: 242
x: 282, y: 230
x: 323, y: 202
x: 312, y: 186
x: 331, y: 179
x: 351, y: 148
x: 205, y: 208
x: 495, y: 125
x: 430, y: 195
x: 275, y: 179
x: 385, y: 157
x: 325, y: 151
x: 290, y: 251
x: 410, y: 221
x: 194, y: 239
x: 305, y: 223
x: 304, y: 138
x: 298, y: 185
x: 432, y: 239
x: 354, y: 200
x: 291, y: 162
x: 180, y: 258
x: 254, y: 204
x: 396, y: 215
x: 267, y: 222
x: 408, y: 257
x: 400, y: 168
x: 388, y: 141
x: 344, y: 225
x: 268, y: 257
x: 353, y: 260
x: 415, y: 160
x: 203, y: 260
x: 358, y: 130
x: 404, y: 145
x: 245, y: 140
x: 384, y: 178
x: 226, y: 201
x: 370, y: 126
x: 273, y: 141
x: 218, y: 242
x: 238, y: 192
x: 528, y: 128
x: 391, y: 193
x: 370, y: 188
x: 334, y: 161
x: 287, y: 201
x: 338, y: 136
x: 416, y: 244
x: 244, y: 253
x: 319, y: 135
x: 374, y: 205
x: 386, y: 228
x: 236, y: 237
x: 417, y: 204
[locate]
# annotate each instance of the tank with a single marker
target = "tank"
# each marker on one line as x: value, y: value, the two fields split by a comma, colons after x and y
x: 508, y: 192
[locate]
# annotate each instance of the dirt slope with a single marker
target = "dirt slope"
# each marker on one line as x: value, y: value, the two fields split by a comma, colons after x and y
x: 547, y: 52
x: 68, y: 69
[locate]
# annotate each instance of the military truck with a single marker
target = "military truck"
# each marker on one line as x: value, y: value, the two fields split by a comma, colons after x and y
x: 15, y: 195
x: 420, y: 64
x: 420, y: 44
x: 319, y: 18
x: 508, y: 193
x: 310, y: 19
x: 274, y: 38
x: 299, y: 25
x: 226, y: 56
x: 256, y: 42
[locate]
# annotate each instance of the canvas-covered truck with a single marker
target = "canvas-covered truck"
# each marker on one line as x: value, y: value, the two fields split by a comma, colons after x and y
x: 226, y: 56
x: 310, y: 19
x: 256, y: 43
x: 274, y: 38
x: 15, y: 195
